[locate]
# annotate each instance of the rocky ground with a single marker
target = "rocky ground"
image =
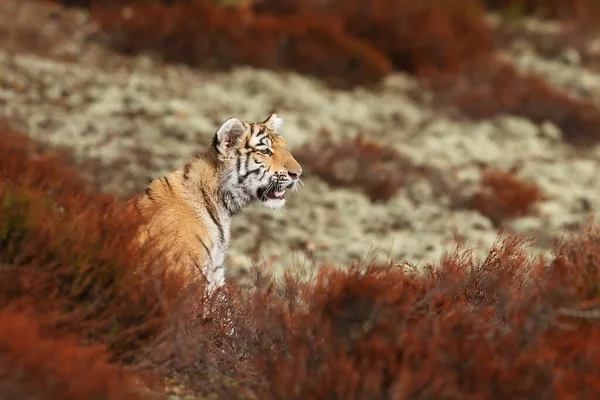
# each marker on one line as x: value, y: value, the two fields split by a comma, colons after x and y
x: 133, y: 118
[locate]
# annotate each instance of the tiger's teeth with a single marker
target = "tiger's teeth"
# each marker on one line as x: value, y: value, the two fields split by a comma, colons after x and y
x: 279, y: 194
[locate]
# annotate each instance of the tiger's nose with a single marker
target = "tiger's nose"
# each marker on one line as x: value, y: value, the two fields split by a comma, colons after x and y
x: 295, y: 174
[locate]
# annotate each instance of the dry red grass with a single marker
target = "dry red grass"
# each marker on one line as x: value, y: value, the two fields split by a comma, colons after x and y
x: 422, y: 37
x: 206, y: 35
x: 67, y: 251
x: 501, y: 328
x: 34, y: 366
x: 495, y: 87
x: 504, y: 195
x: 345, y: 42
x: 361, y: 39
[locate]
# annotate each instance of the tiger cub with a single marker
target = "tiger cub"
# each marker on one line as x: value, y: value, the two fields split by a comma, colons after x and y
x: 188, y: 212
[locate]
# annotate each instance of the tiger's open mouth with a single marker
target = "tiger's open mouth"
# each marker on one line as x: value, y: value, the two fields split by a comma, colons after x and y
x: 275, y: 193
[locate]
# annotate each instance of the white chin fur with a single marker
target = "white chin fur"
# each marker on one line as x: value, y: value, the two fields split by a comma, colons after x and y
x: 273, y: 204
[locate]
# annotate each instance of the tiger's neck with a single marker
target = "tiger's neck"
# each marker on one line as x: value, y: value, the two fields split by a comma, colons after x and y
x: 232, y: 197
x: 204, y: 177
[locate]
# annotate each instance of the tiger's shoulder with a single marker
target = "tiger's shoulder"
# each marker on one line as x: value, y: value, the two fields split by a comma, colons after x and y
x: 174, y: 222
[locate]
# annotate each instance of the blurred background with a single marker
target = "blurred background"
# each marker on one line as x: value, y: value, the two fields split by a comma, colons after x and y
x: 418, y: 123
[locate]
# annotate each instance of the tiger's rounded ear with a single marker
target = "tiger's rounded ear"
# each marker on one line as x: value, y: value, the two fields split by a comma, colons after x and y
x: 228, y: 136
x: 273, y: 122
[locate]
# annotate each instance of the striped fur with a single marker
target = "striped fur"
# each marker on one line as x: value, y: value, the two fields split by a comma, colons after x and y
x: 189, y: 211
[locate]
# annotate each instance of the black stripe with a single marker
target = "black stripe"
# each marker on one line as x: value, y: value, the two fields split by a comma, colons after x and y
x: 199, y: 268
x: 260, y: 137
x: 251, y: 172
x: 263, y: 174
x: 262, y: 133
x: 247, y: 165
x: 242, y: 178
x: 168, y: 184
x: 205, y: 247
x: 256, y: 136
x: 212, y: 212
x: 230, y: 203
x: 239, y: 167
x: 186, y: 171
x: 263, y: 142
x: 149, y: 193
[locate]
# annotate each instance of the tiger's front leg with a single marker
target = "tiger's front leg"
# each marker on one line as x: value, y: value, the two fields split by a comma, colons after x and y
x: 215, y: 276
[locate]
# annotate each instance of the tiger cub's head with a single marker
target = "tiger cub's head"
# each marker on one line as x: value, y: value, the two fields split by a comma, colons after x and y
x: 256, y: 162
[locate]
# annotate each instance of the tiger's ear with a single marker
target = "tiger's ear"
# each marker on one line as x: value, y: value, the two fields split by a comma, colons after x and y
x: 228, y: 136
x: 273, y: 122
